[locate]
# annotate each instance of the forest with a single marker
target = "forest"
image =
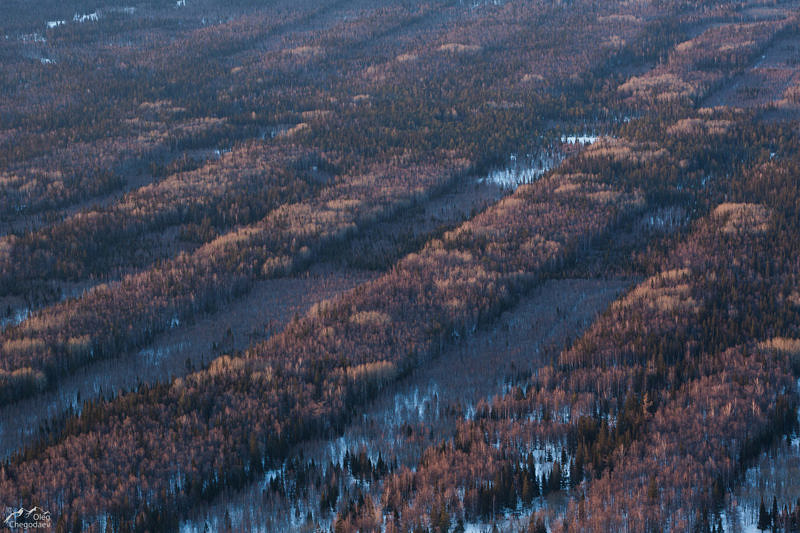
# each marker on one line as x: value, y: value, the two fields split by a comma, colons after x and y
x: 400, y: 265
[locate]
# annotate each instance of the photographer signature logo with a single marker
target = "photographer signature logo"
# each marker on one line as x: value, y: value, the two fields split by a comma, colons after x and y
x: 33, y: 518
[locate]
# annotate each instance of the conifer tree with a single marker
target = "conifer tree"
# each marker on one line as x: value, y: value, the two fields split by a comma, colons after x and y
x: 774, y: 514
x: 763, y: 517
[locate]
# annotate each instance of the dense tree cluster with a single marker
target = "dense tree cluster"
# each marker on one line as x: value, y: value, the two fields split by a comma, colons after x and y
x: 170, y: 179
x: 658, y: 405
x: 700, y: 64
x: 196, y: 237
x: 122, y: 315
x: 238, y: 190
x: 676, y: 454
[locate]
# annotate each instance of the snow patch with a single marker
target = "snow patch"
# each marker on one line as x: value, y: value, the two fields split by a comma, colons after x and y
x: 55, y: 23
x: 579, y: 139
x: 469, y: 412
x: 87, y: 17
x: 219, y: 152
x: 155, y: 356
x: 414, y: 406
x: 516, y: 173
x: 17, y: 316
x: 269, y: 475
x: 32, y: 38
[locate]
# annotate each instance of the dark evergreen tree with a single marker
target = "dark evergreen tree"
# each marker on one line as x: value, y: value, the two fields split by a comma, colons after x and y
x: 763, y: 517
x: 774, y: 514
x: 555, y: 477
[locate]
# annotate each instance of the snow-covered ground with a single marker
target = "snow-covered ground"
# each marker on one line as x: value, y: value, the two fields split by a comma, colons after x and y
x: 522, y: 170
x: 21, y: 313
x: 17, y: 316
x: 157, y: 355
x: 583, y: 139
x: 528, y: 168
x: 423, y: 409
x: 776, y: 473
x: 86, y: 17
